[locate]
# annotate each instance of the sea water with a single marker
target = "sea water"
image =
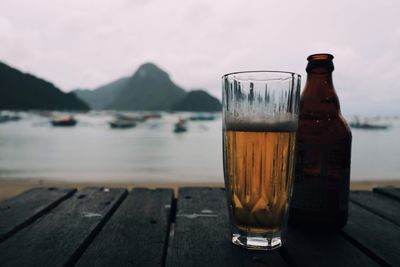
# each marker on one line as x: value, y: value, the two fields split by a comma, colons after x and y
x: 151, y: 152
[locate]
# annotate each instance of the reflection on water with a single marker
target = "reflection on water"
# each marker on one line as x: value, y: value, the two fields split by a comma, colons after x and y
x: 151, y: 151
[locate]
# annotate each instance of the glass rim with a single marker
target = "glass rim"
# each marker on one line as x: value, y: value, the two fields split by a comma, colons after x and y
x: 261, y: 71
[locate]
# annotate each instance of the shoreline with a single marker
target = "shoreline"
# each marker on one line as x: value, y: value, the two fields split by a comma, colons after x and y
x: 10, y: 188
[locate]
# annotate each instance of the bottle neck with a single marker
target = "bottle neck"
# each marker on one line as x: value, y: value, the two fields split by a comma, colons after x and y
x: 316, y: 80
x: 319, y: 93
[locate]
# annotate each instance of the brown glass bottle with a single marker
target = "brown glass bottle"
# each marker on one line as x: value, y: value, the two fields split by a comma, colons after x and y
x: 322, y: 176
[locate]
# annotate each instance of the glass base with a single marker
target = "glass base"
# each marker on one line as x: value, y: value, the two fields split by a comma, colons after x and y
x: 257, y: 242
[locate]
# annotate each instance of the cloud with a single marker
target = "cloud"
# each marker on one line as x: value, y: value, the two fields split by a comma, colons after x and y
x: 89, y: 43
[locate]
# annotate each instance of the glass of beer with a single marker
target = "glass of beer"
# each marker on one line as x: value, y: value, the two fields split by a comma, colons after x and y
x: 260, y: 115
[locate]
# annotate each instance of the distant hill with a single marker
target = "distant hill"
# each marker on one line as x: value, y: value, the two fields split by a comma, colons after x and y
x: 149, y: 88
x: 198, y: 100
x: 104, y: 96
x: 23, y: 91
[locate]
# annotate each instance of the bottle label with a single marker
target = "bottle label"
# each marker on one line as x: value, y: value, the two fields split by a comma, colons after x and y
x: 322, y: 177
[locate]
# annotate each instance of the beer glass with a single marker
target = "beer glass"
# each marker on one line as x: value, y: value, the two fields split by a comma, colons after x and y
x: 260, y: 115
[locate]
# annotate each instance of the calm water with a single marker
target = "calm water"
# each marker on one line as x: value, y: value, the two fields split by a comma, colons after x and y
x: 91, y: 151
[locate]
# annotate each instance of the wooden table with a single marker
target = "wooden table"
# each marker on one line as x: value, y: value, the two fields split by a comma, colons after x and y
x: 111, y: 227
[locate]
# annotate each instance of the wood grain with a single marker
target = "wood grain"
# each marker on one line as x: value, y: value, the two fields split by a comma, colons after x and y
x: 322, y: 249
x: 136, y: 234
x: 388, y: 191
x: 202, y: 235
x: 379, y: 204
x: 21, y: 210
x: 377, y: 237
x: 59, y: 237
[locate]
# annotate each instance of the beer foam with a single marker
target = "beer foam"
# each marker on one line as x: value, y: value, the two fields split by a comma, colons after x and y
x: 266, y: 125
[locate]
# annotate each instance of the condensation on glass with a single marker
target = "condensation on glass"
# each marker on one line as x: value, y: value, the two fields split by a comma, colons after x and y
x: 260, y: 118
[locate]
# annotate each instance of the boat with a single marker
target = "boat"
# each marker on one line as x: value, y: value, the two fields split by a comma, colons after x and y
x: 122, y: 124
x: 368, y: 126
x: 133, y: 118
x: 123, y: 121
x: 8, y: 117
x: 67, y: 121
x: 202, y: 117
x: 152, y: 116
x: 180, y: 126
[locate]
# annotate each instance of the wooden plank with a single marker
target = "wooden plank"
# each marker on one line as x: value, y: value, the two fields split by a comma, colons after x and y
x: 59, y: 238
x: 388, y: 191
x: 316, y: 249
x: 381, y: 205
x: 136, y: 234
x: 376, y: 236
x: 20, y: 211
x: 202, y: 235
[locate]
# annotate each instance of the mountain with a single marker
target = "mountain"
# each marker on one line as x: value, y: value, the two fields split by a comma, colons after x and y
x: 23, y: 91
x: 149, y: 88
x: 198, y: 100
x: 104, y: 96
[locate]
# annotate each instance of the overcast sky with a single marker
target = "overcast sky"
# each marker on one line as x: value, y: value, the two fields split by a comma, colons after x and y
x: 85, y: 44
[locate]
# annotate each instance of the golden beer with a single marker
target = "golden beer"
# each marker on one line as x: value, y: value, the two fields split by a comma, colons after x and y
x: 258, y: 171
x: 260, y: 119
